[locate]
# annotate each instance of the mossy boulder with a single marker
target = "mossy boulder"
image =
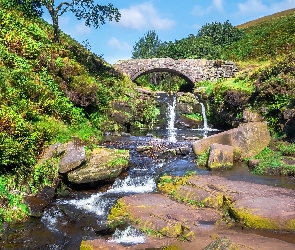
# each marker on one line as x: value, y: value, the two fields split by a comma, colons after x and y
x: 220, y: 156
x: 102, y: 164
x: 73, y: 156
x: 248, y: 140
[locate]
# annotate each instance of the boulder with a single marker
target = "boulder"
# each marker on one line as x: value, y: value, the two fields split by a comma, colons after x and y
x: 37, y: 203
x: 220, y: 156
x: 102, y: 164
x: 250, y: 116
x: 73, y: 157
x: 248, y: 140
x: 253, y: 163
x: 289, y: 127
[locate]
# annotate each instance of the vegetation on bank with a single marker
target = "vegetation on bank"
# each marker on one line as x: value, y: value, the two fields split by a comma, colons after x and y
x: 49, y: 92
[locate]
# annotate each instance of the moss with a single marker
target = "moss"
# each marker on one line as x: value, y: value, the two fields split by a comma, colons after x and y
x: 215, y: 201
x: 171, y: 248
x: 118, y: 214
x: 169, y: 185
x: 291, y: 225
x: 85, y: 246
x: 254, y: 221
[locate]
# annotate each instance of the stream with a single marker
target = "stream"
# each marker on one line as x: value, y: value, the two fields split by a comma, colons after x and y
x: 82, y: 214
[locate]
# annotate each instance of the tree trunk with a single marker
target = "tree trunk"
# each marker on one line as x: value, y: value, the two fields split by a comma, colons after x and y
x: 55, y: 27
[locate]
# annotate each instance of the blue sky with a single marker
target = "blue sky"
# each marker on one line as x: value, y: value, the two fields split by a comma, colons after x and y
x: 171, y: 19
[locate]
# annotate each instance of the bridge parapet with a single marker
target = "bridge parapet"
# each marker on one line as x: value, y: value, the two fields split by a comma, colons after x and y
x: 193, y: 70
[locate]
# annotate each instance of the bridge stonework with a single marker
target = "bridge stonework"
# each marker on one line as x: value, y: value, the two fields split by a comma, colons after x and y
x: 192, y: 70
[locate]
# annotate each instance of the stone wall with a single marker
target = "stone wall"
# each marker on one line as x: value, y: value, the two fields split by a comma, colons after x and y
x: 192, y: 70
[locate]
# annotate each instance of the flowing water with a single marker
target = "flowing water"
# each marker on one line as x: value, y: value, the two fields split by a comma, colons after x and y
x: 171, y: 116
x: 83, y: 214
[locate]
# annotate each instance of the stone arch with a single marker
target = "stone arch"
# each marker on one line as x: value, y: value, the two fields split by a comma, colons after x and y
x: 162, y: 69
x: 192, y: 70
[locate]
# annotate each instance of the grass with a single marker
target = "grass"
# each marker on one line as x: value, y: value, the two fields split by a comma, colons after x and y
x: 258, y: 21
x: 272, y: 162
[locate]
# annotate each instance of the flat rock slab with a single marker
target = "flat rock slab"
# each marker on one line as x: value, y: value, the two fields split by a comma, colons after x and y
x: 155, y: 212
x: 255, y: 205
x: 158, y: 213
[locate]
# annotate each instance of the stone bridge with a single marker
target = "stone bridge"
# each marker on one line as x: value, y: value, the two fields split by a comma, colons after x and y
x: 192, y: 70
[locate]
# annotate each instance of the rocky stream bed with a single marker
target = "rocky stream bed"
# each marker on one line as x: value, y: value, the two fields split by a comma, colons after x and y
x: 160, y: 202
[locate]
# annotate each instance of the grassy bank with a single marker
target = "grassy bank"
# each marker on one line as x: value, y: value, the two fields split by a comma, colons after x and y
x: 49, y: 92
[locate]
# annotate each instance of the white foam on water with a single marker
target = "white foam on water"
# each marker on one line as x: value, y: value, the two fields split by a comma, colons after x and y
x: 128, y: 236
x: 50, y: 219
x: 94, y: 204
x: 171, y: 112
x: 141, y: 184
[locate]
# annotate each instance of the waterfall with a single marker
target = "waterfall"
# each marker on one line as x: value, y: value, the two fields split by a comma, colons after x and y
x: 171, y: 120
x: 204, y: 116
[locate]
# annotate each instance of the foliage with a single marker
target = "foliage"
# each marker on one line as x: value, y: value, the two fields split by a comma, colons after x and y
x: 286, y: 148
x: 221, y: 34
x: 49, y: 92
x: 29, y: 7
x: 87, y: 10
x: 161, y: 81
x: 11, y: 205
x: 271, y: 162
x: 194, y: 116
x: 203, y: 158
x: 147, y: 46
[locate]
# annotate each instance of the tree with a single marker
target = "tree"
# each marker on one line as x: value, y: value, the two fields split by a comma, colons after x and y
x: 93, y: 14
x: 29, y: 7
x: 147, y: 46
x: 221, y: 34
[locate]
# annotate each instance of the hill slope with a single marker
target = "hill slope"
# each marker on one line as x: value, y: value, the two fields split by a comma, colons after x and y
x: 265, y: 38
x: 49, y: 93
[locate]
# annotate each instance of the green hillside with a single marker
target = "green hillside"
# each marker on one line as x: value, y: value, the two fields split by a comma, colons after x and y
x: 265, y: 38
x: 49, y: 92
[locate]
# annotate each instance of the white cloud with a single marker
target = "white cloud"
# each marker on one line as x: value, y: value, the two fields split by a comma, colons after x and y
x: 258, y: 6
x: 116, y: 44
x: 144, y: 16
x: 215, y: 5
x: 251, y: 6
x: 218, y: 5
x: 82, y: 29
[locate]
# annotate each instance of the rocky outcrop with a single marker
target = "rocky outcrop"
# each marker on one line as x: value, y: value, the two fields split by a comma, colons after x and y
x: 198, y: 223
x: 37, y: 203
x: 220, y: 156
x: 102, y: 164
x: 73, y: 157
x: 252, y: 205
x: 189, y: 111
x: 248, y: 140
x: 250, y: 116
x: 289, y: 126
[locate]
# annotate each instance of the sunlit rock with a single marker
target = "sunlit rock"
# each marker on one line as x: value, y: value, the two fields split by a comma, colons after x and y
x: 248, y: 140
x: 220, y: 156
x: 102, y: 164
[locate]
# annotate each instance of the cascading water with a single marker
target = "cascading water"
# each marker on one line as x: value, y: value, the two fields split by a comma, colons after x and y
x: 171, y: 114
x: 129, y: 236
x: 204, y: 116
